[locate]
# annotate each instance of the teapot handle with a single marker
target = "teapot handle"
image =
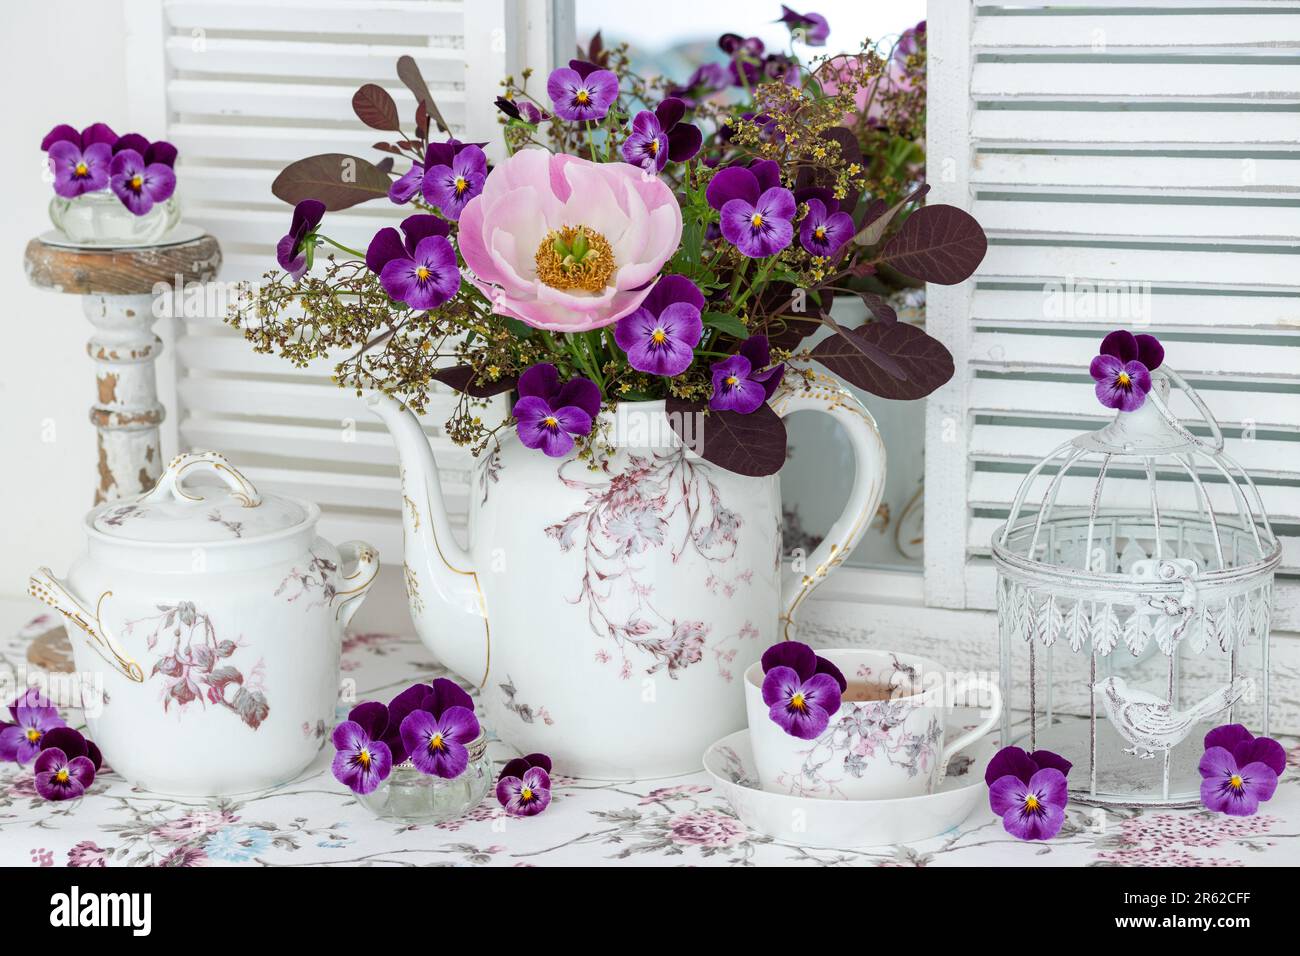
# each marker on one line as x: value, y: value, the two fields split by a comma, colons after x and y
x: 45, y: 587
x: 171, y: 482
x: 824, y: 394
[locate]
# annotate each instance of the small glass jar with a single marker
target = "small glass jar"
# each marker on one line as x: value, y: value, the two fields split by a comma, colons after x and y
x: 409, y: 796
x: 100, y: 219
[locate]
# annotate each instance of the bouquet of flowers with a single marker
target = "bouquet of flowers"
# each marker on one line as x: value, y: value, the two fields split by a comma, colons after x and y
x: 643, y: 240
x: 139, y: 172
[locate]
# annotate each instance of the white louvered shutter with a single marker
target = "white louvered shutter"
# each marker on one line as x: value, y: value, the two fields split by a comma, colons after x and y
x: 1147, y: 142
x: 243, y: 87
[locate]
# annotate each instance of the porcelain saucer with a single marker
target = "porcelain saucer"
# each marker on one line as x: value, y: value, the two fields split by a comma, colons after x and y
x: 808, y: 821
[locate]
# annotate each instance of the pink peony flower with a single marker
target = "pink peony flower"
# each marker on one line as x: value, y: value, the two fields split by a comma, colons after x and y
x: 565, y: 244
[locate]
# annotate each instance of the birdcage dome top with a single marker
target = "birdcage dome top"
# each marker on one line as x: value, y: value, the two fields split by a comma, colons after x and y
x: 1140, y: 503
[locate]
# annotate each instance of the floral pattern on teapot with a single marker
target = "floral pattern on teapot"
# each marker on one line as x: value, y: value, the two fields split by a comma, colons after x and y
x: 196, y: 665
x: 661, y: 500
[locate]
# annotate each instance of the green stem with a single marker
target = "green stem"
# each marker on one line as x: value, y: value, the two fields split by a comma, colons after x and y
x: 339, y: 245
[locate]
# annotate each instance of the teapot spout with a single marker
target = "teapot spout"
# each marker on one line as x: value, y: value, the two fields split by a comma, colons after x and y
x: 442, y: 584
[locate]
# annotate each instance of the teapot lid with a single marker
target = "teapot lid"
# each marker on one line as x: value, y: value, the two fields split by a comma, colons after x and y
x: 179, y: 510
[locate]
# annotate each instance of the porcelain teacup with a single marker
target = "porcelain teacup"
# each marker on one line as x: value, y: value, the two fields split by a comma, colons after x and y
x: 872, y: 749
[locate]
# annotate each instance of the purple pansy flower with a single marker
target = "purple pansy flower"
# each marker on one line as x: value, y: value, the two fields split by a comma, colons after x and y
x: 802, y: 659
x: 294, y: 250
x: 582, y: 91
x: 756, y: 210
x: 453, y: 175
x: 73, y: 744
x: 79, y: 170
x: 437, y: 742
x: 1028, y: 791
x: 1032, y: 809
x: 801, y: 689
x: 139, y: 184
x: 362, y: 762
x: 660, y: 335
x: 708, y: 78
x: 660, y: 136
x: 1240, y: 770
x: 746, y: 55
x: 743, y: 382
x: 417, y: 267
x: 825, y: 230
x: 548, y: 414
x: 522, y: 110
x: 812, y: 28
x: 33, y: 717
x: 1123, y: 369
x: 524, y: 786
x: 60, y: 777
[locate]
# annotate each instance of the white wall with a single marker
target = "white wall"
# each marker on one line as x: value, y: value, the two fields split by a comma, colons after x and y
x: 60, y: 61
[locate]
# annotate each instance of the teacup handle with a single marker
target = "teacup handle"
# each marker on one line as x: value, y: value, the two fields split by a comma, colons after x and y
x: 959, y: 690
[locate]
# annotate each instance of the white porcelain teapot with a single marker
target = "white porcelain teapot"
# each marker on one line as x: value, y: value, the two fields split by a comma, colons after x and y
x: 608, y: 615
x: 211, y: 617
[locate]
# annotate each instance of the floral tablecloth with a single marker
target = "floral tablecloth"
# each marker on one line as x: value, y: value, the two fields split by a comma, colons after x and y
x: 314, y: 821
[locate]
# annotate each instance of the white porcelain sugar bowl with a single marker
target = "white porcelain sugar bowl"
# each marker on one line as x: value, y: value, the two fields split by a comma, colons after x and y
x: 210, y: 617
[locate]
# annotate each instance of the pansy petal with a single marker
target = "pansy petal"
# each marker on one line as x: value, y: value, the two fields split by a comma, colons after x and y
x: 1150, y: 352
x: 734, y: 182
x: 1228, y: 736
x: 582, y: 393
x: 447, y: 694
x: 541, y: 380
x: 372, y: 717
x: 1121, y: 344
x: 1260, y: 780
x: 82, y: 770
x: 826, y: 667
x: 779, y: 684
x: 1007, y: 792
x: 1217, y: 763
x: 799, y: 657
x: 1010, y: 761
x: 384, y: 248
x: 1263, y: 750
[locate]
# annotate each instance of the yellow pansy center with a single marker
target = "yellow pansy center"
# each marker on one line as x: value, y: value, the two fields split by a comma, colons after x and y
x: 461, y: 185
x: 797, y: 701
x: 422, y: 273
x: 1031, y: 803
x: 526, y: 794
x: 62, y: 775
x: 658, y: 336
x: 136, y: 182
x: 575, y: 257
x: 1235, y: 781
x: 653, y: 147
x: 756, y: 220
x: 583, y: 97
x: 1123, y: 380
x: 363, y: 758
x: 33, y: 735
x: 730, y: 381
x: 820, y: 232
x: 550, y: 421
x: 82, y: 169
x: 435, y: 742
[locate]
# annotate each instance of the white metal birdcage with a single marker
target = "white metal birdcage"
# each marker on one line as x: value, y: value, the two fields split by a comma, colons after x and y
x: 1131, y: 625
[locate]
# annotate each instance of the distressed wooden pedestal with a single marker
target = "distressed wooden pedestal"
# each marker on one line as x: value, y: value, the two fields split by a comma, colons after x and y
x: 119, y: 287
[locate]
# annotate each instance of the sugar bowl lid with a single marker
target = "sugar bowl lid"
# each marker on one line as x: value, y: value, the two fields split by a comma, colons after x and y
x: 181, y: 509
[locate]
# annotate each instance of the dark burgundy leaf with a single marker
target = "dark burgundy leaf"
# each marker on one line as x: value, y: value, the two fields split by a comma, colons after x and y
x: 788, y: 316
x: 387, y: 148
x: 870, y: 350
x: 462, y: 379
x: 385, y: 164
x: 878, y: 307
x: 409, y: 73
x: 940, y: 244
x: 924, y: 360
x: 873, y: 227
x: 337, y: 180
x: 752, y: 445
x: 421, y: 123
x: 376, y: 108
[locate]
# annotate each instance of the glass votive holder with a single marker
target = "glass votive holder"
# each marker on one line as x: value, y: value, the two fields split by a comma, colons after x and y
x: 99, y: 218
x: 409, y: 796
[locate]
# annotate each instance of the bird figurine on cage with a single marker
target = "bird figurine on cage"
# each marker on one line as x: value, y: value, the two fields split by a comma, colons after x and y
x: 1149, y: 722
